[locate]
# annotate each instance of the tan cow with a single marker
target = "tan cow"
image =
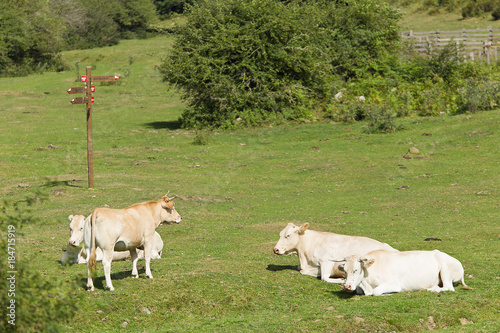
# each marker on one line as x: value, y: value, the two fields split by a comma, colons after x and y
x: 385, y: 272
x: 127, y: 230
x: 316, y: 250
x: 75, y: 253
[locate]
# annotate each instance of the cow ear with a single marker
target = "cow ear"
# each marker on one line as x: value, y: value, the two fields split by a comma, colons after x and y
x: 303, y: 228
x: 167, y: 204
x: 367, y: 262
x: 70, y: 217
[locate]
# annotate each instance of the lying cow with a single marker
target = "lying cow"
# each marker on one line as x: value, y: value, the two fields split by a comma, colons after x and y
x: 75, y: 253
x: 317, y: 249
x: 126, y: 230
x: 383, y: 272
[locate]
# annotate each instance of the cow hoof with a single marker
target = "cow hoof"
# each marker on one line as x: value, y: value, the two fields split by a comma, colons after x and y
x: 110, y: 288
x: 135, y: 276
x: 90, y: 288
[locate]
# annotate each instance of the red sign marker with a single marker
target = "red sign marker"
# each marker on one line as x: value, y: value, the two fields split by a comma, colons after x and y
x: 81, y: 100
x: 84, y: 79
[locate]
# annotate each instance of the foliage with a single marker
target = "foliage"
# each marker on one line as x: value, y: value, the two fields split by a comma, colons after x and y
x: 381, y: 119
x: 496, y: 13
x: 167, y: 7
x: 478, y: 8
x: 29, y: 302
x: 264, y: 61
x: 29, y: 38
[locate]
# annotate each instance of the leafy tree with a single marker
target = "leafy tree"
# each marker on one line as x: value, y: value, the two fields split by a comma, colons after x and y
x: 29, y: 37
x: 167, y: 7
x: 251, y: 62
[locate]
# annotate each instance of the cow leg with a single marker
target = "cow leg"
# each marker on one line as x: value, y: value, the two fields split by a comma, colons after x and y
x: 134, y: 257
x: 387, y: 288
x: 306, y: 269
x: 148, y: 246
x: 90, y: 282
x: 446, y: 279
x: 326, y: 271
x: 107, y: 257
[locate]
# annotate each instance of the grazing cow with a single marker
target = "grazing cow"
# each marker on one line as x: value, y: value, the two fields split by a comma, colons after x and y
x: 383, y: 272
x: 317, y: 249
x: 76, y: 254
x: 127, y: 229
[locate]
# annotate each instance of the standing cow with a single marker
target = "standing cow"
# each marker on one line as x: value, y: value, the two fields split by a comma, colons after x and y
x: 317, y: 249
x: 127, y: 229
x: 76, y: 254
x: 384, y: 272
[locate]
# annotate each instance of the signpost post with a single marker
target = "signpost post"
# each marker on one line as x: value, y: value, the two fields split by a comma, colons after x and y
x: 88, y: 100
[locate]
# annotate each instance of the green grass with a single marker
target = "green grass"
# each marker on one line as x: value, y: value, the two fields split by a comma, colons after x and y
x: 418, y: 20
x: 218, y: 272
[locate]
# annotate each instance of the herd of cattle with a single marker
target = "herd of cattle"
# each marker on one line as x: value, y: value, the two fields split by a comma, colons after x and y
x: 360, y: 264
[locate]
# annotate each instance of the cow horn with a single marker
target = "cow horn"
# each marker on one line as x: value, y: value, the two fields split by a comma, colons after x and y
x: 172, y: 198
x: 167, y: 194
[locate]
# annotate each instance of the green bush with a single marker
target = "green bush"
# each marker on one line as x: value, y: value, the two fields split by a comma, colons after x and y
x: 265, y: 60
x: 29, y: 302
x: 382, y: 119
x: 29, y: 38
x: 496, y: 13
x: 478, y: 95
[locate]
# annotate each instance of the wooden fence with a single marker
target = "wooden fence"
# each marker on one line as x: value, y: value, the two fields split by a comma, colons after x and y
x: 478, y: 44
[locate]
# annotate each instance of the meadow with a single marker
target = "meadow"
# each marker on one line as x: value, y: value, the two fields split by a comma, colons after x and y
x: 236, y: 191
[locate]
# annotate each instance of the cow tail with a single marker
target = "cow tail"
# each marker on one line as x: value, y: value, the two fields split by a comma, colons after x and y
x: 92, y: 262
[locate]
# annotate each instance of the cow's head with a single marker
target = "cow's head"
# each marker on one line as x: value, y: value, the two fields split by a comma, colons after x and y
x: 290, y: 238
x: 168, y: 213
x: 355, y: 268
x: 76, y: 226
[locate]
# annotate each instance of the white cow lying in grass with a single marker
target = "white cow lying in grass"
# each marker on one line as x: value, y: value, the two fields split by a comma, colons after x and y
x: 75, y: 252
x: 383, y: 272
x: 316, y: 250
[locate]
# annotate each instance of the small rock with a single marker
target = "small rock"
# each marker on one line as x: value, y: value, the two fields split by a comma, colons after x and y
x: 145, y: 310
x: 124, y: 324
x: 464, y: 321
x: 413, y: 150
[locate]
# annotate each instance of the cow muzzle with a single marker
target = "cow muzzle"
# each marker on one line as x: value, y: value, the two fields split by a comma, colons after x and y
x: 276, y: 251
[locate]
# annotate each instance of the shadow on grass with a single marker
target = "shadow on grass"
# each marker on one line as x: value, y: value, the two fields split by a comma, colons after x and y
x: 171, y: 125
x: 342, y: 294
x: 276, y: 268
x: 52, y: 183
x: 100, y: 280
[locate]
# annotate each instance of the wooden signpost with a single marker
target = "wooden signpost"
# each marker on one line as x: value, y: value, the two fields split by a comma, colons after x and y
x: 88, y: 100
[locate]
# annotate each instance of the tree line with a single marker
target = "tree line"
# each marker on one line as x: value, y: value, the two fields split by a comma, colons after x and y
x: 34, y: 32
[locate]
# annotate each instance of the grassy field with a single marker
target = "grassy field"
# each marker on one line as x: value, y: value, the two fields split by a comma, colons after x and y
x: 218, y: 272
x: 417, y: 20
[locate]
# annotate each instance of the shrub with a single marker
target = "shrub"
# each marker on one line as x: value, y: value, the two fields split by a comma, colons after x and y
x: 496, y: 13
x: 265, y: 60
x: 478, y: 95
x: 382, y: 119
x: 30, y: 301
x: 29, y: 38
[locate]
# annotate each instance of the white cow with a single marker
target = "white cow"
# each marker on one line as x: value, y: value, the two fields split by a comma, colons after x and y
x: 317, y: 249
x: 127, y: 230
x: 382, y: 272
x: 75, y: 253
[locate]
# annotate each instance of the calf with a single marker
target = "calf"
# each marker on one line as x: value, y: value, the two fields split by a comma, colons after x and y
x: 317, y: 249
x: 382, y: 272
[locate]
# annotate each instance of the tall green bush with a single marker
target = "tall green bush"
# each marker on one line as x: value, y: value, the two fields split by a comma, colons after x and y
x: 30, y: 38
x: 252, y: 62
